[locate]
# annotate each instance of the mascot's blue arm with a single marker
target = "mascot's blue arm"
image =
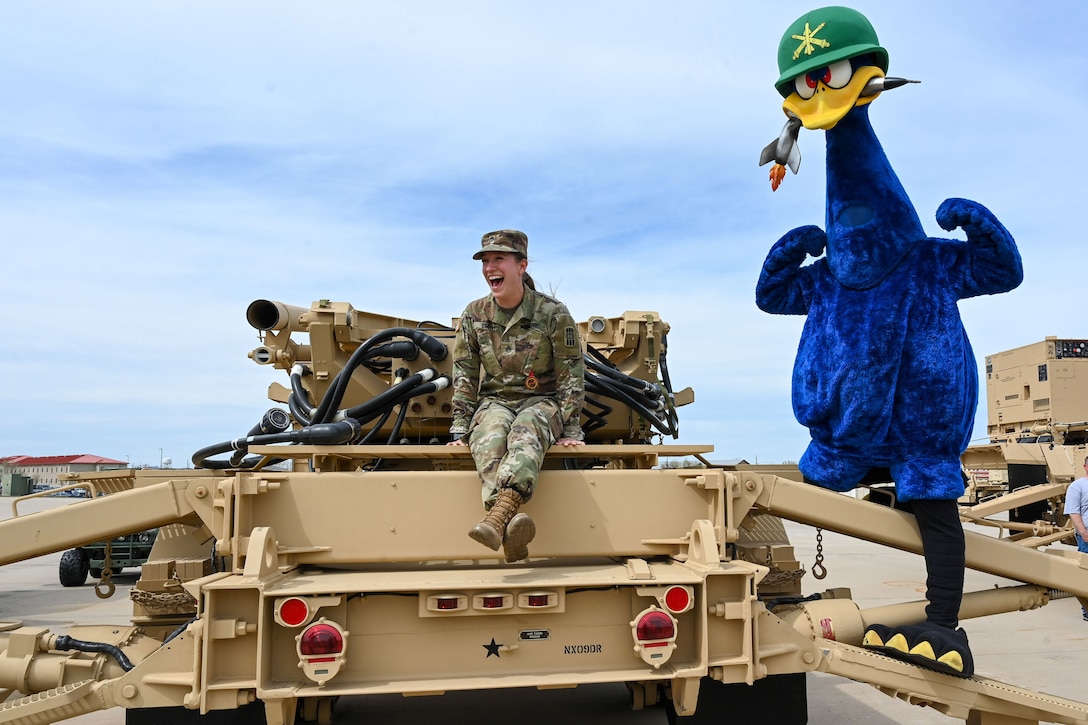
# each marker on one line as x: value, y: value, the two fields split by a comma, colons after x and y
x: 992, y: 262
x: 783, y: 285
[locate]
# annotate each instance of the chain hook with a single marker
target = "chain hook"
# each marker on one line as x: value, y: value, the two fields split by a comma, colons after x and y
x: 106, y: 588
x: 818, y: 569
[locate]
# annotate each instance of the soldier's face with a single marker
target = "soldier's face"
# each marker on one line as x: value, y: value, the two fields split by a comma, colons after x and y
x: 503, y: 272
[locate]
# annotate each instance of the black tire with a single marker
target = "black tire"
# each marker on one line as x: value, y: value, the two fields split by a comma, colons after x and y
x: 784, y: 695
x: 116, y: 569
x: 73, y: 568
x: 96, y: 573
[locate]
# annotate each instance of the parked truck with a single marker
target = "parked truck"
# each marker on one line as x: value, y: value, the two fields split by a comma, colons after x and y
x: 103, y: 559
x: 324, y: 555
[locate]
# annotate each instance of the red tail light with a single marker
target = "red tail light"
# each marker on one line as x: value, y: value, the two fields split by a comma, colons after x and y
x: 321, y: 650
x: 654, y: 632
x: 654, y: 625
x: 321, y: 639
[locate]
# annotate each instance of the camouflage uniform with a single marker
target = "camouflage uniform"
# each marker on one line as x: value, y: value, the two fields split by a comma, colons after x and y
x: 518, y: 386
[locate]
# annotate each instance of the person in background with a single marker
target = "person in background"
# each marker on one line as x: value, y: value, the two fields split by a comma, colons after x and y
x: 1076, y: 508
x: 518, y: 388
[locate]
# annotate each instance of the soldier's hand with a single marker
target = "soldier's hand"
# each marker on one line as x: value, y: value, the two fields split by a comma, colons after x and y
x: 458, y: 442
x: 569, y: 442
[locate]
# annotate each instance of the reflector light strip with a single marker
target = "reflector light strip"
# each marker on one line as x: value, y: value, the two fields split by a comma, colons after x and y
x: 447, y: 602
x: 490, y: 601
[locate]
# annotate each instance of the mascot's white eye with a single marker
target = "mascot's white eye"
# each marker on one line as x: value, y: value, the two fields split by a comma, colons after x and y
x: 839, y: 74
x: 836, y: 75
x: 805, y: 85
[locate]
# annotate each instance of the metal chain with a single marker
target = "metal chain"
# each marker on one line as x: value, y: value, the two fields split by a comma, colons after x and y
x: 779, y: 577
x: 162, y: 600
x: 105, y: 588
x: 818, y: 569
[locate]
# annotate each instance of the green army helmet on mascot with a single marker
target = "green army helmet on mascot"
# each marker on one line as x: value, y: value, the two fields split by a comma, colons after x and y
x: 822, y: 37
x: 830, y: 61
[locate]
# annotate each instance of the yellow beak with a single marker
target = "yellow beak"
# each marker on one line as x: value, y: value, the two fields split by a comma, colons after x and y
x: 828, y: 105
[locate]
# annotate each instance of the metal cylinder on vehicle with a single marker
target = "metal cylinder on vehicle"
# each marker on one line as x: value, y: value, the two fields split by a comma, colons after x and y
x: 272, y: 315
x: 837, y: 619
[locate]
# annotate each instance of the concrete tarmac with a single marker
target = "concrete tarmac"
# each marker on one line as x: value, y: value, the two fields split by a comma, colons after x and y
x: 1044, y: 649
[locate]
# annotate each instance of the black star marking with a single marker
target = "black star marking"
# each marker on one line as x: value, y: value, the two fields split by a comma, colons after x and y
x: 492, y: 649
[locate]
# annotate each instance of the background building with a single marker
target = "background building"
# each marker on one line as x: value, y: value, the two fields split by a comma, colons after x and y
x: 44, y: 470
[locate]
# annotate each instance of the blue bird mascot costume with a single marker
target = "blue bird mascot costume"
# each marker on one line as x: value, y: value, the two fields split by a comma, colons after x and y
x: 885, y: 378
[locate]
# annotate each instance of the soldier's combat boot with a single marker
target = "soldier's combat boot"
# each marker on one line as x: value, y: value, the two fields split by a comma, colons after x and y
x: 519, y: 532
x: 492, y: 528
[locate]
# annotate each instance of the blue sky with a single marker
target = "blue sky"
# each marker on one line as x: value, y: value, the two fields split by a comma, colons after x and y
x: 164, y: 164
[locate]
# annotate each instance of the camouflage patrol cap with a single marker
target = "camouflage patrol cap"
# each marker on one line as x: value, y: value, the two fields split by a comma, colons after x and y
x: 822, y: 37
x: 504, y: 240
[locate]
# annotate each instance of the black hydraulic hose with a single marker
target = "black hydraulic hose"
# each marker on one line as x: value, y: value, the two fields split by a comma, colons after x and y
x: 65, y: 643
x: 436, y: 350
x: 294, y: 405
x: 320, y: 434
x: 598, y: 363
x: 384, y: 398
x: 435, y: 325
x: 388, y: 411
x: 605, y: 387
x: 627, y: 389
x: 379, y: 359
x: 435, y: 385
x: 638, y: 393
x: 398, y: 423
x: 647, y: 388
x: 629, y: 392
x: 273, y: 421
x: 599, y: 356
x: 779, y: 601
x: 178, y: 631
x: 404, y: 349
x: 593, y: 421
x: 376, y: 427
x: 299, y: 394
x: 663, y: 365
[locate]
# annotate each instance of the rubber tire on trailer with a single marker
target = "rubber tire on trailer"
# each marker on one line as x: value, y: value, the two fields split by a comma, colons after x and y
x: 73, y: 568
x: 781, y: 699
x: 96, y: 573
x: 116, y: 569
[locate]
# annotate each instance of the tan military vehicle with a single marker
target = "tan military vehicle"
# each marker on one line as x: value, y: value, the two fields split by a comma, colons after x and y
x: 324, y: 555
x: 1037, y: 424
